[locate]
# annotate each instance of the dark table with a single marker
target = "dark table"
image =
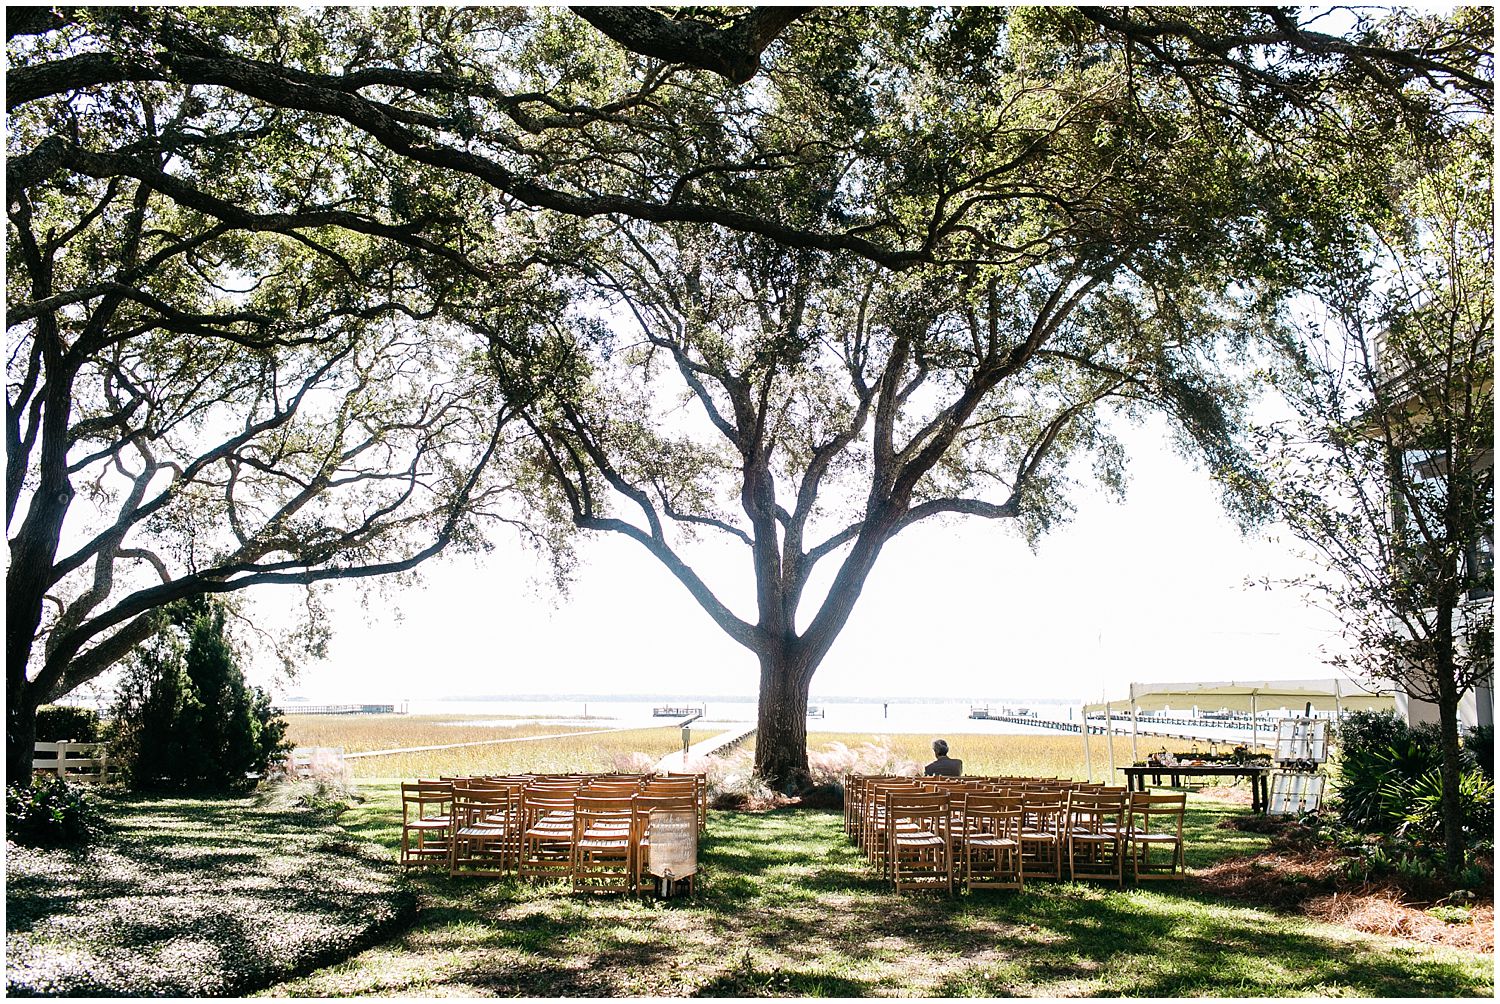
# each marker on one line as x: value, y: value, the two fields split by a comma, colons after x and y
x: 1260, y: 778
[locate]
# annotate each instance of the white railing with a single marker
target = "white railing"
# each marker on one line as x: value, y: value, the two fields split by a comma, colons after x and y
x: 75, y: 761
x: 317, y: 761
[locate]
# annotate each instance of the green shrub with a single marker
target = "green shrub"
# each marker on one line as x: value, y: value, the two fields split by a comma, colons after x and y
x: 1365, y: 738
x: 1389, y: 780
x: 1369, y: 730
x: 1479, y: 742
x: 185, y: 720
x: 60, y: 722
x: 51, y: 813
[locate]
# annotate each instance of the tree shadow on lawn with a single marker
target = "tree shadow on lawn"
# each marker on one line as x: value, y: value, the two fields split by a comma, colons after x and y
x: 238, y: 896
x: 788, y: 909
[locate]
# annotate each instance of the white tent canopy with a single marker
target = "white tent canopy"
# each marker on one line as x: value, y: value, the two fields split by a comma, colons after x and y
x: 1332, y: 694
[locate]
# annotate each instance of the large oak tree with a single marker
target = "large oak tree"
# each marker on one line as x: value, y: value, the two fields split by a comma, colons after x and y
x: 1104, y: 243
x: 1078, y: 160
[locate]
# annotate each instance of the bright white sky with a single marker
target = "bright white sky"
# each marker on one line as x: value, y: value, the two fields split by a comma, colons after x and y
x: 1149, y: 590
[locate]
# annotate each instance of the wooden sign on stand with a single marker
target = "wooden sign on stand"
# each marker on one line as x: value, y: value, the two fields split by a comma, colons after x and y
x: 674, y: 848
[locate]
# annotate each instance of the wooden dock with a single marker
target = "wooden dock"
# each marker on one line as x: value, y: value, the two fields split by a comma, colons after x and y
x: 716, y: 746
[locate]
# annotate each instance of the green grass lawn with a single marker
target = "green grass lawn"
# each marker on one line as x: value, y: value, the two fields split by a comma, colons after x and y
x: 787, y: 908
x: 194, y: 897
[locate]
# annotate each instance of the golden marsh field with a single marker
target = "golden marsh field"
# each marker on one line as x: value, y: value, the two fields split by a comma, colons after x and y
x: 583, y: 747
x: 1056, y: 755
x: 573, y: 747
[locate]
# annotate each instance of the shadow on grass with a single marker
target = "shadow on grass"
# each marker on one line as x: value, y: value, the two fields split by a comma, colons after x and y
x: 189, y: 897
x: 787, y: 908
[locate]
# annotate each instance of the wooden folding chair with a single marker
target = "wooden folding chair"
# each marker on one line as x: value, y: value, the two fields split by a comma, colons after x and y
x: 603, y: 856
x: 646, y: 805
x: 991, y: 842
x: 1156, y: 821
x: 919, y: 827
x: 877, y: 837
x: 700, y: 788
x: 486, y: 828
x: 1041, y: 834
x: 426, y: 818
x: 546, y: 834
x: 1096, y: 837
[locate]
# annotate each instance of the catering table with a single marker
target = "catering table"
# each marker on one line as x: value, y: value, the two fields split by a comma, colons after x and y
x: 1260, y: 796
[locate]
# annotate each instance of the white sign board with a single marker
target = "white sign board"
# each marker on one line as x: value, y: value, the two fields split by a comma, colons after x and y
x: 1302, y: 739
x: 672, y: 837
x: 1292, y: 794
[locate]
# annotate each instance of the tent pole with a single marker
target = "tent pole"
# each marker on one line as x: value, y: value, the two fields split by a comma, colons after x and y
x: 1109, y: 731
x: 1254, y: 724
x: 1135, y: 755
x: 1088, y: 760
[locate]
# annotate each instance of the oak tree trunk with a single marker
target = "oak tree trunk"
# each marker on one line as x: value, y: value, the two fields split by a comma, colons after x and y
x: 781, y: 724
x: 20, y: 733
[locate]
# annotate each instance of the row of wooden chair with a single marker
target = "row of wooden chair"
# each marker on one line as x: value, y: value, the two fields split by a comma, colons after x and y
x: 997, y: 833
x: 594, y: 830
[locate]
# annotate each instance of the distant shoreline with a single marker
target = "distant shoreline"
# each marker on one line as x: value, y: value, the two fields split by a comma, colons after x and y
x: 707, y: 698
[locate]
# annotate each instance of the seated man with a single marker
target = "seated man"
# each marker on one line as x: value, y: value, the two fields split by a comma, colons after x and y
x: 944, y: 765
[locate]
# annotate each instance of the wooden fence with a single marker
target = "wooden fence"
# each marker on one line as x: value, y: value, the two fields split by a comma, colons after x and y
x: 88, y: 762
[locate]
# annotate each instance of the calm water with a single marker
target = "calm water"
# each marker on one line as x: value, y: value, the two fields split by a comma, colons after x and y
x: 933, y: 718
x: 899, y: 717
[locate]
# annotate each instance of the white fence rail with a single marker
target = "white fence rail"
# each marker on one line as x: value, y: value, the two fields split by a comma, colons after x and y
x: 325, y: 762
x: 75, y: 761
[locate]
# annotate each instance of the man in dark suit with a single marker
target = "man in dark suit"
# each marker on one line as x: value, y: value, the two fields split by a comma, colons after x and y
x: 944, y: 765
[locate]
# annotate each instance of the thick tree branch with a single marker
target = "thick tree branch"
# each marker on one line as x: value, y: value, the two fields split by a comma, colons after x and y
x: 732, y: 53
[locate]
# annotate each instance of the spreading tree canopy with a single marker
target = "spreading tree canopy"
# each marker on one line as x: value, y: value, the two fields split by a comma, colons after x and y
x: 1096, y: 241
x: 956, y: 233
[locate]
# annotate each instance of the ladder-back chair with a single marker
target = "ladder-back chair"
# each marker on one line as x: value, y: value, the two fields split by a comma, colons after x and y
x: 1042, y: 833
x: 876, y: 832
x: 603, y: 857
x: 426, y: 818
x: 1156, y: 822
x: 1096, y: 837
x: 918, y: 827
x: 991, y: 842
x: 486, y: 828
x: 646, y: 806
x: 546, y: 834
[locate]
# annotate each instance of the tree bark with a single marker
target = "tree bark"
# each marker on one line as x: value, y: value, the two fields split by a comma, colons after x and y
x: 1449, y: 769
x: 781, y: 723
x: 20, y: 732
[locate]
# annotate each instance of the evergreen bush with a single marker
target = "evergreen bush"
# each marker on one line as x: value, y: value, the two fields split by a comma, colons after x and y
x: 1389, y: 781
x: 61, y: 722
x: 51, y: 813
x: 185, y: 718
x: 1479, y: 742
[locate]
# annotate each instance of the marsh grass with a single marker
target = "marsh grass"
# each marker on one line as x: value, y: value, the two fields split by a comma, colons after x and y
x: 359, y: 733
x: 1056, y: 755
x: 592, y: 750
x: 788, y: 909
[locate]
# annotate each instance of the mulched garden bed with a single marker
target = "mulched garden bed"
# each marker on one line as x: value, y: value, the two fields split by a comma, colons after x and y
x: 1298, y: 874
